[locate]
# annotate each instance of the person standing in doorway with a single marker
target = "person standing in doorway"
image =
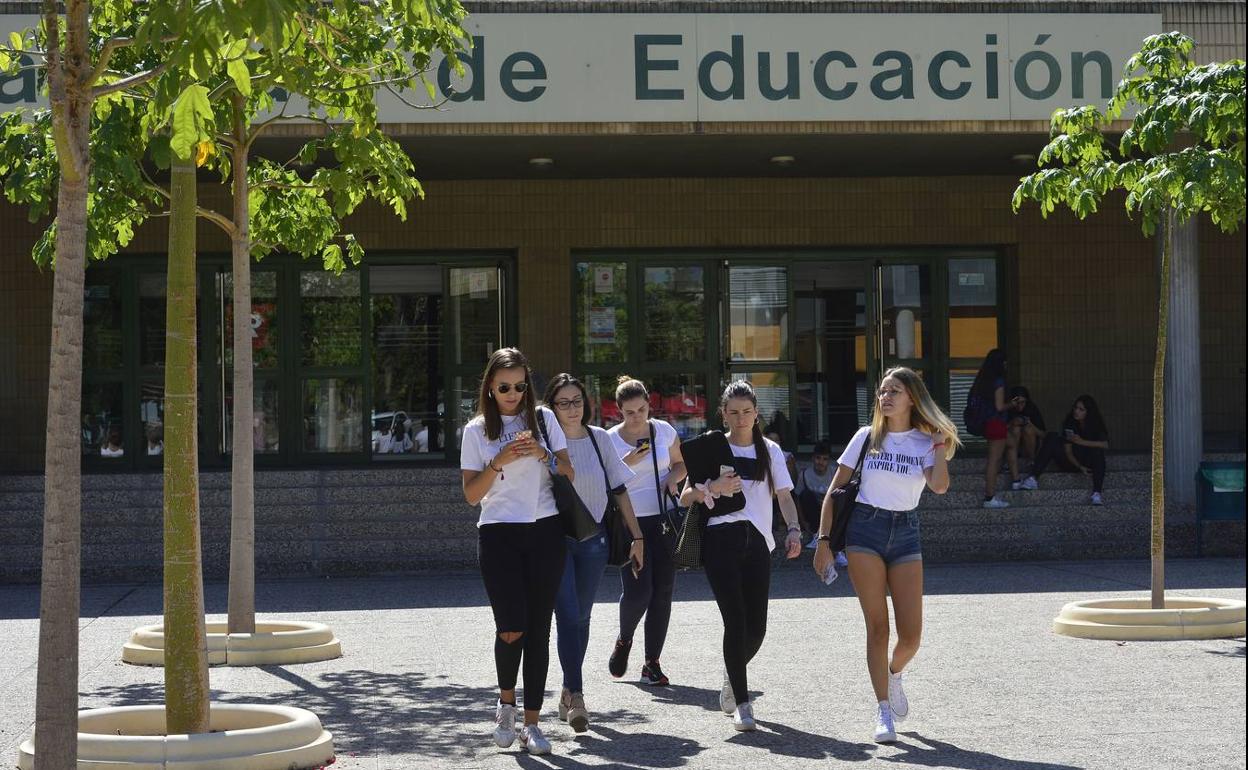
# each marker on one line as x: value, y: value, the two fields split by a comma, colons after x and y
x: 987, y: 400
x: 598, y: 468
x: 651, y: 448
x: 737, y: 546
x: 907, y: 447
x: 521, y: 542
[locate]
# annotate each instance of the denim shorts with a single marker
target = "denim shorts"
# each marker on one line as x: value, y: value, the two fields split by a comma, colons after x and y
x: 891, y: 535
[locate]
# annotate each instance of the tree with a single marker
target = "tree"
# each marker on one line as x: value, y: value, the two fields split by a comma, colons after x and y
x: 1183, y: 155
x: 336, y: 57
x: 52, y: 157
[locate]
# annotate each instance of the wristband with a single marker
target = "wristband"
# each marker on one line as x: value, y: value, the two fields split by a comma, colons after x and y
x: 825, y: 539
x: 496, y: 470
x: 795, y: 529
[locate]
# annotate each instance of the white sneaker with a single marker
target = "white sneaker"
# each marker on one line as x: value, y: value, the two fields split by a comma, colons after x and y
x: 1028, y: 483
x: 727, y: 701
x: 897, y: 702
x: 885, y: 731
x: 996, y: 502
x: 533, y: 740
x: 841, y: 559
x: 505, y: 725
x: 743, y: 718
x: 1097, y: 499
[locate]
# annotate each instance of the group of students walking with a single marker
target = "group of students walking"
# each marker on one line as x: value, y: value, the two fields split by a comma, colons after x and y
x: 532, y: 570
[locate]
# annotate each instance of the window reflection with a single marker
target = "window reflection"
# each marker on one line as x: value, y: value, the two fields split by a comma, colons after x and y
x: 332, y: 417
x: 601, y: 320
x: 675, y: 322
x: 102, y: 420
x: 263, y: 319
x: 407, y: 308
x: 759, y: 307
x: 972, y: 307
x: 101, y: 321
x: 330, y: 318
x: 264, y: 426
x: 152, y: 319
x: 152, y: 417
x: 906, y: 305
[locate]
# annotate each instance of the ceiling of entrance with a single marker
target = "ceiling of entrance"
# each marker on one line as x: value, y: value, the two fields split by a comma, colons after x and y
x: 829, y: 155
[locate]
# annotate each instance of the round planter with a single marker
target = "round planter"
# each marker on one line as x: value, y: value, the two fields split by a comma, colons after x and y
x: 276, y: 642
x: 1135, y: 620
x: 244, y: 737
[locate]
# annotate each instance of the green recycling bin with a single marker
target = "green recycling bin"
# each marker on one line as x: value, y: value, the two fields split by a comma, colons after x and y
x: 1221, y: 486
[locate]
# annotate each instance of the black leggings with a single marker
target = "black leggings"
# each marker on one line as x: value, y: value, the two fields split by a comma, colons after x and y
x: 650, y: 593
x: 1054, y: 450
x: 738, y: 567
x: 522, y: 565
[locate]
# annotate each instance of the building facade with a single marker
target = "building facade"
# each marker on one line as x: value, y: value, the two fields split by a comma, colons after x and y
x: 799, y: 193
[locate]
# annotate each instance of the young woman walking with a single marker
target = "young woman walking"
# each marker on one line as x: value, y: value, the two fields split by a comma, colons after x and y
x: 736, y: 547
x: 651, y: 448
x: 598, y: 468
x: 521, y: 545
x: 908, y: 445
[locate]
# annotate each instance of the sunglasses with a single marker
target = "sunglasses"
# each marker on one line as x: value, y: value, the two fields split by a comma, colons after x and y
x: 504, y: 388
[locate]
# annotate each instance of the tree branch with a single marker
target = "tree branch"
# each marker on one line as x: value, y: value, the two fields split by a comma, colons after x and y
x: 106, y: 53
x: 130, y: 82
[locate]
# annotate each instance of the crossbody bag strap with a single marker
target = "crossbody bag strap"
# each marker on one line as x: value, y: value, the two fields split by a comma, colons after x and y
x: 606, y: 481
x: 866, y: 443
x: 654, y: 459
x: 541, y: 425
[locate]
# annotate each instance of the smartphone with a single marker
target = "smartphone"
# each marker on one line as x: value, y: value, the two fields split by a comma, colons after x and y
x: 1070, y: 433
x: 643, y: 443
x: 524, y: 435
x: 724, y: 470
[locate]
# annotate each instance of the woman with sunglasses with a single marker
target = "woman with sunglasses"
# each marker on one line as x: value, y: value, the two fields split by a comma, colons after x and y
x: 652, y: 449
x: 598, y: 467
x: 521, y: 545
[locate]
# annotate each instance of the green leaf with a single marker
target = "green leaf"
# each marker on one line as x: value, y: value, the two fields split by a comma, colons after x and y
x: 238, y: 72
x: 192, y: 121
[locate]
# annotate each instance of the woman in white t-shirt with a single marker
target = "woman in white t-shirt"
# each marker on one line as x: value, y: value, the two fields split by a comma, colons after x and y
x: 737, y: 546
x: 651, y: 448
x: 906, y: 447
x: 520, y: 536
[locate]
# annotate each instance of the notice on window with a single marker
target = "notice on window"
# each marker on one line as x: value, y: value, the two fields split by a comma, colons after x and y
x: 970, y: 279
x: 601, y: 325
x: 479, y: 284
x: 604, y: 280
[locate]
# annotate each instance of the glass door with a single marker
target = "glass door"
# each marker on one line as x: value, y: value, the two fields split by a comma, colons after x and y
x: 833, y: 343
x: 475, y: 302
x: 904, y: 333
x: 757, y: 337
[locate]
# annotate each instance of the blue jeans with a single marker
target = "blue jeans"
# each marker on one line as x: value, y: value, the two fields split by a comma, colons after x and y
x: 586, y: 562
x: 891, y: 535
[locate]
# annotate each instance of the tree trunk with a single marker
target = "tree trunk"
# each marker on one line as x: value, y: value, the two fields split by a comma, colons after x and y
x: 242, y: 589
x: 186, y: 643
x: 56, y: 688
x: 1158, y: 490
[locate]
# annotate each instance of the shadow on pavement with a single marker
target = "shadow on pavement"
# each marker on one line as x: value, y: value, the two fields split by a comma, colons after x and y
x: 627, y: 751
x: 790, y: 742
x: 682, y: 695
x: 1232, y: 652
x: 938, y: 754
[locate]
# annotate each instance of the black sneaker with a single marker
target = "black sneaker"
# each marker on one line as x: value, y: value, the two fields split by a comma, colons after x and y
x: 618, y: 663
x: 651, y: 674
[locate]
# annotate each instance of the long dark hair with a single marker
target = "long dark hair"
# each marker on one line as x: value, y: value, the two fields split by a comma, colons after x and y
x: 743, y: 389
x: 487, y: 407
x: 1093, y: 423
x: 990, y: 371
x: 561, y: 381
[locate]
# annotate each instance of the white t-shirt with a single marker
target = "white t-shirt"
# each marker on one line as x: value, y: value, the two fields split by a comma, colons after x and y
x: 642, y: 491
x: 758, y: 509
x: 521, y: 494
x: 893, y: 479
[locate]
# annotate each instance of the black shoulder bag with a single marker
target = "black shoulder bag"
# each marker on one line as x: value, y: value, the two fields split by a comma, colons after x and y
x: 843, y: 499
x: 578, y: 522
x: 682, y: 532
x: 619, y: 539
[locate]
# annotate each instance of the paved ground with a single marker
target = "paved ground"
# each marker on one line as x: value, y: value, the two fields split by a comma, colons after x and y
x: 992, y: 688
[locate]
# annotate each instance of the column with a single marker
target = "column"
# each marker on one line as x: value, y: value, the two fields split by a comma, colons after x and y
x: 1184, y: 426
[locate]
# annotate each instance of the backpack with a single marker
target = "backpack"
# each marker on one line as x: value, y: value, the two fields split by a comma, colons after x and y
x: 975, y: 415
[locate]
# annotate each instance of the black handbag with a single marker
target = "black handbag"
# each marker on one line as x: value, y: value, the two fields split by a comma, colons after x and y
x: 619, y: 539
x: 683, y: 527
x: 843, y: 499
x: 578, y: 523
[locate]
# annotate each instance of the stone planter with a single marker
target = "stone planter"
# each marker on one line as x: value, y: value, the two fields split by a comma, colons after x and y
x: 276, y: 642
x: 1135, y: 620
x: 244, y: 737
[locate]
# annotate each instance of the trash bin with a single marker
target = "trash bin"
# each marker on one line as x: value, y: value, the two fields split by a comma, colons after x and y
x: 1221, y: 486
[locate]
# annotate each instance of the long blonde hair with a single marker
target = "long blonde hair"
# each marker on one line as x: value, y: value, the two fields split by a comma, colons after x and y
x: 924, y: 414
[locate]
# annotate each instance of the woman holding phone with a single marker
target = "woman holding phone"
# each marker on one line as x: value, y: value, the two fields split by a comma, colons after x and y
x: 598, y: 468
x: 521, y: 544
x: 737, y: 546
x: 651, y: 448
x: 1080, y: 448
x: 906, y: 447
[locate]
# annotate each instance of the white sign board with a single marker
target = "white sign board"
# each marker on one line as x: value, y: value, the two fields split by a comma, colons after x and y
x: 609, y: 67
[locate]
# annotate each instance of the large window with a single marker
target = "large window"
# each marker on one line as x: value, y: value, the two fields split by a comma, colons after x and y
x: 349, y: 368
